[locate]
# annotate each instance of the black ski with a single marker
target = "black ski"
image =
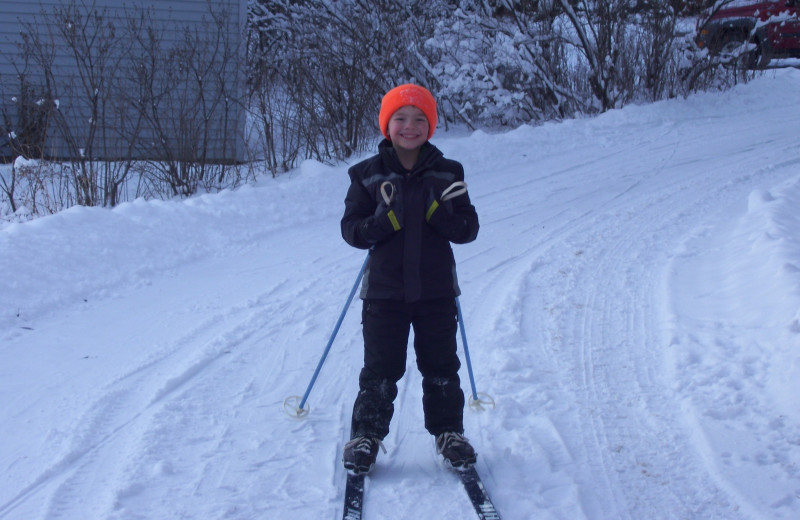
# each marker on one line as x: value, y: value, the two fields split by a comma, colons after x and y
x: 477, y: 493
x: 353, y: 496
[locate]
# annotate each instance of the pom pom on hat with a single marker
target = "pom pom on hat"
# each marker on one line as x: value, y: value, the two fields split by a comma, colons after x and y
x: 405, y: 95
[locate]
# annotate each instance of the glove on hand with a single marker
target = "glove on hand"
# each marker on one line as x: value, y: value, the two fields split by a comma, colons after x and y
x: 451, y: 192
x: 386, y: 212
x: 437, y: 209
x: 440, y: 210
x: 387, y: 219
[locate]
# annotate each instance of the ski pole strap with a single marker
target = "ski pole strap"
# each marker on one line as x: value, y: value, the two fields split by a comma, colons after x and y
x: 454, y: 190
x: 434, y: 205
x: 393, y: 219
x: 387, y: 197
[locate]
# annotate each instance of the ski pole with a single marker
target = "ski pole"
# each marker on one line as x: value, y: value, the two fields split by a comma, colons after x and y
x: 477, y: 400
x: 300, y: 410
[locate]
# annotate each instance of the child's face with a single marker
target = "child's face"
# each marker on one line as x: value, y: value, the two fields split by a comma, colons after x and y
x: 408, y: 128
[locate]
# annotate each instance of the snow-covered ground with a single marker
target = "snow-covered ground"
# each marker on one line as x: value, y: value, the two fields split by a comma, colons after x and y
x: 632, y: 304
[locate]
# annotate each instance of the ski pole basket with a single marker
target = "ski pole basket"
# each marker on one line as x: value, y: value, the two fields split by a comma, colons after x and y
x: 478, y: 401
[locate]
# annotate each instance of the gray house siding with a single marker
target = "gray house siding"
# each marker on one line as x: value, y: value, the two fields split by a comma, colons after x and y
x: 175, y: 118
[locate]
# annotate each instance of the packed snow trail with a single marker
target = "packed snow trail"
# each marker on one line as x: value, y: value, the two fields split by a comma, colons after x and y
x: 631, y: 304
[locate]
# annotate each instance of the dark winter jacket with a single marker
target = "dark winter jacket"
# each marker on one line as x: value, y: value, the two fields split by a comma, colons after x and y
x: 415, y: 262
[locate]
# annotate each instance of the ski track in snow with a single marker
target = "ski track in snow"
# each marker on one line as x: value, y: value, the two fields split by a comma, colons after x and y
x: 631, y: 304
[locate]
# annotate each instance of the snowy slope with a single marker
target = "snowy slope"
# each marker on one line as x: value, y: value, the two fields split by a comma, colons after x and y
x: 631, y: 303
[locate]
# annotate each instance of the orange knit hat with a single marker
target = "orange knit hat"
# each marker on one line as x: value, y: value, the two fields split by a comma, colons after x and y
x: 405, y: 95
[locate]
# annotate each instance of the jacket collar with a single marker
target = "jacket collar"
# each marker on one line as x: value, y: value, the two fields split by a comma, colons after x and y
x: 428, y: 155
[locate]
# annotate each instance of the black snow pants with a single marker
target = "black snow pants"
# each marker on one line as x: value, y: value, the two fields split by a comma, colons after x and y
x: 386, y: 326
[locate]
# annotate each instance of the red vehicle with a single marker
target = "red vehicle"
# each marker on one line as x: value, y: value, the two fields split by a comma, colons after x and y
x: 751, y: 33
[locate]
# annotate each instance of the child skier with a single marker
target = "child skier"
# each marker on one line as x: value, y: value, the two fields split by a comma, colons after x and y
x: 406, y: 204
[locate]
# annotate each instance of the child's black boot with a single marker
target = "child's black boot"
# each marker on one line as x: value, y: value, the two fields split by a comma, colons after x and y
x: 360, y: 454
x: 456, y: 449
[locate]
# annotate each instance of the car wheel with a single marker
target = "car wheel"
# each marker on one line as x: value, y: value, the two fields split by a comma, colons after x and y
x: 736, y: 51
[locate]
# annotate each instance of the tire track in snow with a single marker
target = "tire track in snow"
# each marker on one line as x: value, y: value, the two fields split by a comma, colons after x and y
x: 141, y: 406
x: 109, y: 424
x: 575, y: 300
x: 258, y: 439
x: 727, y: 351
